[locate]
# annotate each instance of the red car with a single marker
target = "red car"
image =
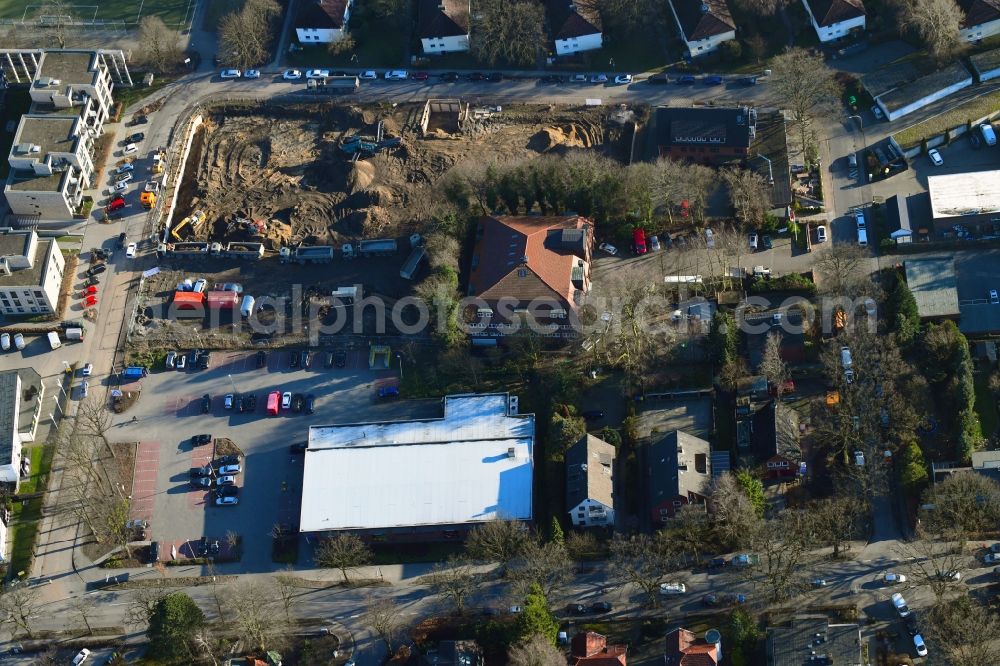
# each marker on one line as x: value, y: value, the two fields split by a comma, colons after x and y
x: 639, y: 241
x: 420, y: 76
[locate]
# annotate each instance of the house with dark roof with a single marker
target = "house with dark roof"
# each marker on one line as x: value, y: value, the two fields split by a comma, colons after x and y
x: 574, y: 27
x: 768, y: 435
x: 678, y: 471
x: 443, y: 25
x: 703, y: 24
x: 684, y: 648
x: 322, y: 21
x: 531, y: 271
x: 454, y: 653
x: 592, y: 649
x: 808, y: 640
x: 590, y: 482
x: 705, y: 135
x: 982, y: 19
x: 833, y: 19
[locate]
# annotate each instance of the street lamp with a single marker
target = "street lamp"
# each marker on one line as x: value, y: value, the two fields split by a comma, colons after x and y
x: 232, y: 383
x: 400, y: 357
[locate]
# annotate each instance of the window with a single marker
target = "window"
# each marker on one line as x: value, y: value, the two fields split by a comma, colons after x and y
x: 34, y: 309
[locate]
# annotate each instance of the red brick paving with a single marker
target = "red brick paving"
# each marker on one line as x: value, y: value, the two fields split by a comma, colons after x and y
x: 147, y: 464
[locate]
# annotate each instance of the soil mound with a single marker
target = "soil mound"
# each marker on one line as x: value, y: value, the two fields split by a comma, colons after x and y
x: 572, y: 135
x: 361, y: 176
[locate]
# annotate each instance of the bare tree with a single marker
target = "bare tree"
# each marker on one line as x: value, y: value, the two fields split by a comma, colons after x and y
x: 772, y: 365
x: 455, y: 580
x: 965, y: 504
x: 57, y: 19
x: 690, y: 530
x: 286, y: 590
x: 254, y: 617
x: 842, y: 270
x: 82, y: 608
x: 733, y: 515
x: 19, y: 607
x: 546, y: 564
x: 218, y: 593
x: 535, y: 651
x: 749, y: 195
x: 806, y: 87
x: 645, y: 562
x: 507, y: 31
x: 384, y: 618
x: 962, y: 629
x: 206, y: 645
x: 245, y: 36
x: 782, y: 544
x: 497, y: 541
x: 95, y: 419
x: 937, y: 22
x: 762, y: 8
x: 343, y: 552
x: 936, y: 564
x: 836, y: 521
x: 141, y: 605
x: 161, y: 48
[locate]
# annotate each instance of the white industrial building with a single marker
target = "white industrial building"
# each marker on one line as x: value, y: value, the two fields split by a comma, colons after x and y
x: 971, y: 199
x: 31, y: 273
x: 429, y: 476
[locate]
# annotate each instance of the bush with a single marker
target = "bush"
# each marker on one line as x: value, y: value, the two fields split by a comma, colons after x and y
x: 731, y: 50
x: 793, y: 282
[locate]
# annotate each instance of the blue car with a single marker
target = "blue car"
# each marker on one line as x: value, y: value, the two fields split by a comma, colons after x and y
x: 687, y: 79
x: 712, y: 80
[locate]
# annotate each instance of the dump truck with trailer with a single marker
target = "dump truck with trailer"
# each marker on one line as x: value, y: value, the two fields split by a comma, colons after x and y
x: 182, y: 249
x: 379, y: 247
x: 334, y: 85
x: 412, y: 263
x: 307, y: 254
x: 237, y: 250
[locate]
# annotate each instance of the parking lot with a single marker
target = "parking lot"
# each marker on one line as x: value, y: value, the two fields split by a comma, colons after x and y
x: 169, y: 414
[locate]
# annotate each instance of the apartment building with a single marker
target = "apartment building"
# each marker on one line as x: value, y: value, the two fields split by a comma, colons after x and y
x: 31, y: 273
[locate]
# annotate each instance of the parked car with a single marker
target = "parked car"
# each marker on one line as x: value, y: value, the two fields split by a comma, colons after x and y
x: 396, y: 75
x: 988, y: 558
x: 388, y: 393
x: 766, y: 242
x: 201, y: 482
x: 130, y: 149
x: 88, y: 369
x: 168, y: 362
x: 293, y: 360
x: 899, y: 603
x: 229, y: 480
x: 228, y: 401
x: 449, y: 76
x: 877, y: 112
x: 576, y: 609
x: 230, y: 459
x: 81, y: 657
x: 181, y: 362
x: 131, y: 250
x: 227, y: 500
x: 712, y: 80
x: 206, y: 403
x: 994, y: 297
x: 317, y: 73
x: 227, y: 491
x: 199, y: 285
x: 609, y: 248
x: 420, y: 76
x: 97, y: 270
x: 919, y: 645
x: 821, y: 234
x: 199, y: 440
x: 261, y: 358
x: 819, y: 582
x: 685, y: 80
x: 891, y: 578
x: 601, y: 607
x: 298, y: 402
x: 753, y: 242
x: 654, y: 244
x: 623, y: 79
x: 658, y: 79
x: 368, y: 75
x: 230, y: 74
x: 310, y: 403
x: 251, y: 74
x: 5, y: 341
x: 125, y: 168
x: 292, y: 75
x: 306, y: 359
x: 578, y: 78
x: 672, y: 589
x: 935, y: 157
x: 18, y: 341
x: 286, y: 400
x: 599, y: 78
x: 248, y: 403
x: 229, y: 470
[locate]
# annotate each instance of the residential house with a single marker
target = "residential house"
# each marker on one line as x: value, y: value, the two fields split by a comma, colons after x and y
x: 590, y: 483
x: 683, y: 648
x: 455, y: 653
x: 574, y: 27
x: 705, y: 135
x: 981, y: 20
x: 703, y: 24
x: 678, y: 469
x: 532, y: 271
x: 899, y: 219
x: 21, y: 393
x: 592, y: 649
x: 833, y: 19
x: 770, y: 437
x: 806, y: 638
x: 322, y: 21
x: 31, y: 273
x: 443, y: 26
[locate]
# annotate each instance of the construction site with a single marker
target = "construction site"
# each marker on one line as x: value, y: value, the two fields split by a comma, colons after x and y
x: 302, y: 184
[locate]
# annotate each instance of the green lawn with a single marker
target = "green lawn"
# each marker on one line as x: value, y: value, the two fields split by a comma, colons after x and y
x: 371, y: 52
x: 129, y: 96
x: 986, y: 404
x: 972, y: 110
x: 25, y: 515
x: 173, y: 12
x: 215, y: 10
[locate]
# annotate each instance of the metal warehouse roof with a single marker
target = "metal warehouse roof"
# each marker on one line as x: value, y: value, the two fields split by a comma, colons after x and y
x: 934, y: 286
x: 959, y: 194
x: 472, y: 465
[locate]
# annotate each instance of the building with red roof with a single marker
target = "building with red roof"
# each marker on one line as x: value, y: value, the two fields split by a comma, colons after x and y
x: 592, y: 649
x: 685, y: 649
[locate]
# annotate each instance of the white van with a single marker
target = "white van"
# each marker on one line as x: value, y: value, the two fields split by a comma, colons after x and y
x: 862, y: 238
x: 845, y: 357
x: 54, y: 341
x: 900, y: 604
x: 246, y: 307
x: 989, y: 136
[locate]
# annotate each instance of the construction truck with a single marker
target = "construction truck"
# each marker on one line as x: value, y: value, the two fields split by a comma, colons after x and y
x: 159, y: 157
x: 334, y: 85
x: 193, y: 220
x: 147, y: 199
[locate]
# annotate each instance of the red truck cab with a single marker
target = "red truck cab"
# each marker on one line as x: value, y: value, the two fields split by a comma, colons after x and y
x: 116, y: 204
x: 639, y: 241
x: 273, y: 403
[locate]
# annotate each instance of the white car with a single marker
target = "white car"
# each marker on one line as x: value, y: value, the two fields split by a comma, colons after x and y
x: 317, y: 73
x: 368, y: 75
x: 84, y: 389
x: 88, y: 370
x: 891, y: 578
x: 130, y: 250
x: 994, y: 297
x: 227, y: 500
x: 231, y: 74
x: 128, y: 166
x: 935, y: 156
x: 921, y: 647
x: 877, y: 112
x: 599, y: 78
x: 286, y: 400
x: 251, y: 74
x: 672, y: 589
x: 609, y: 248
x: 989, y: 558
x: 81, y: 657
x: 125, y: 177
x: 229, y: 470
x: 5, y: 341
x: 292, y: 75
x: 821, y: 234
x: 229, y: 401
x: 130, y: 149
x: 19, y: 341
x: 199, y: 285
x: 396, y: 75
x: 121, y: 186
x: 623, y: 79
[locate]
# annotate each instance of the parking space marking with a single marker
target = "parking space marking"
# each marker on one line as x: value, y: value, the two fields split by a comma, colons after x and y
x: 147, y: 462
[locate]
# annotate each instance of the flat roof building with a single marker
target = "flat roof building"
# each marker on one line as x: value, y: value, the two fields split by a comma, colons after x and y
x: 971, y: 199
x: 806, y: 638
x: 31, y: 273
x: 21, y: 393
x: 427, y: 476
x: 934, y: 287
x: 918, y: 93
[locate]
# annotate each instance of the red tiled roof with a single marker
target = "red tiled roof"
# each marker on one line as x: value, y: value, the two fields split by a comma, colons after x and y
x: 566, y: 22
x: 683, y: 648
x: 701, y: 19
x: 322, y: 14
x: 513, y: 259
x: 978, y: 12
x: 828, y: 12
x: 443, y: 18
x: 592, y: 649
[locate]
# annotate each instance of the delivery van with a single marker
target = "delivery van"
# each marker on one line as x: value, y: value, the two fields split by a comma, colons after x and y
x: 246, y: 307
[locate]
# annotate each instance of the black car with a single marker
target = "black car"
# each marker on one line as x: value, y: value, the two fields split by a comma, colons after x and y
x: 340, y: 358
x: 140, y: 120
x: 449, y: 76
x: 122, y: 240
x: 293, y: 361
x: 495, y: 77
x: 100, y: 253
x: 476, y: 76
x: 96, y: 270
x: 911, y: 624
x: 593, y: 414
x: 202, y: 471
x: 306, y: 360
x: 248, y: 403
x: 206, y: 547
x: 768, y: 243
x: 298, y: 402
x: 135, y: 138
x: 601, y: 607
x: 576, y: 609
x: 201, y: 482
x: 298, y: 447
x: 339, y: 72
x: 199, y: 440
x: 227, y: 491
x: 154, y: 552
x: 551, y: 78
x: 717, y: 563
x: 206, y: 403
x: 658, y: 79
x: 310, y: 403
x: 261, y: 358
x: 748, y: 81
x: 231, y: 459
x: 204, y: 360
